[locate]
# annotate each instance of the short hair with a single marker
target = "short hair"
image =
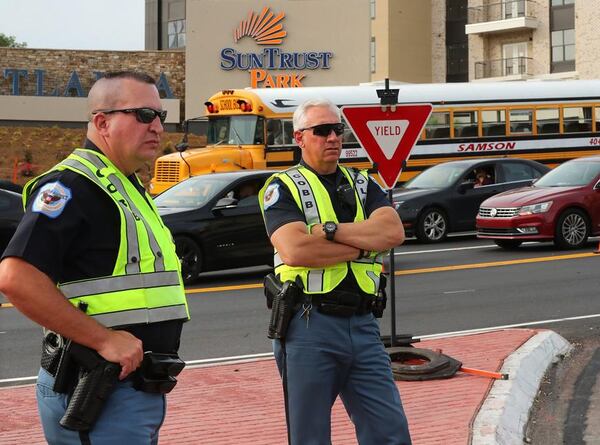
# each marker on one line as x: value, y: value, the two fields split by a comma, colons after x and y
x: 105, y: 93
x: 133, y: 75
x: 299, y: 119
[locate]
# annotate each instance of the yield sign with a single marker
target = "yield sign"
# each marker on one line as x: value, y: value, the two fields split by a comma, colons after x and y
x: 387, y: 136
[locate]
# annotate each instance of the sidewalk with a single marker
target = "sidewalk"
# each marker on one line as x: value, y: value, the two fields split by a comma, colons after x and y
x: 242, y: 403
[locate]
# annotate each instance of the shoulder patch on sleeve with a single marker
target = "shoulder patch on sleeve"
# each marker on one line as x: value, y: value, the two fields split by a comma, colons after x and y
x: 51, y: 199
x: 271, y: 195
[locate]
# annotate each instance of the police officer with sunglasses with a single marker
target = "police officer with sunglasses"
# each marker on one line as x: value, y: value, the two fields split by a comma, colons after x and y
x: 329, y: 226
x: 93, y: 264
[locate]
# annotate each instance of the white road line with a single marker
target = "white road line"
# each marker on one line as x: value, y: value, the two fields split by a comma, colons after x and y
x: 262, y: 356
x: 452, y: 249
x: 459, y: 291
x: 444, y: 250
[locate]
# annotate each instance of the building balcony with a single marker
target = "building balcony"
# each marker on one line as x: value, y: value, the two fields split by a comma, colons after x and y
x: 515, y: 15
x: 514, y: 68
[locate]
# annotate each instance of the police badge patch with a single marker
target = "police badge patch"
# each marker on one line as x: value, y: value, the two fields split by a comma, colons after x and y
x: 271, y: 195
x: 51, y: 199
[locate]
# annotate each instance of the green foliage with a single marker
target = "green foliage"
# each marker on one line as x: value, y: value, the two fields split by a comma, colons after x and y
x: 11, y: 42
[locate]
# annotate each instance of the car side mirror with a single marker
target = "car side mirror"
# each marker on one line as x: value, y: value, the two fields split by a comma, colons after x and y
x: 225, y: 203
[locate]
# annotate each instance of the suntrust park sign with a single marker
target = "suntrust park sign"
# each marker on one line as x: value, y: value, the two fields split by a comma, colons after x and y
x: 265, y: 28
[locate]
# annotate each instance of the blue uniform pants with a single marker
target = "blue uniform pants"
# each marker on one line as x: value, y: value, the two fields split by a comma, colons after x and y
x: 129, y: 417
x: 340, y: 356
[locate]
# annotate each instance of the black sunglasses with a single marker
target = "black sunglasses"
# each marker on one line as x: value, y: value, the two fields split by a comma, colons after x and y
x: 325, y: 130
x: 143, y: 115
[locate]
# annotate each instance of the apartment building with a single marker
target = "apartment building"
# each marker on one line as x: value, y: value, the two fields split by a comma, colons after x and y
x: 527, y: 39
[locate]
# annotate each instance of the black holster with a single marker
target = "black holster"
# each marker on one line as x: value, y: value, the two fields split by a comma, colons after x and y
x: 281, y: 299
x: 91, y: 379
x: 157, y: 372
x: 380, y: 301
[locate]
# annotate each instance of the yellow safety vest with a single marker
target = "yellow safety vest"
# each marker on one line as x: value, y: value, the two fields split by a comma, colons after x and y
x: 312, y: 198
x: 145, y: 285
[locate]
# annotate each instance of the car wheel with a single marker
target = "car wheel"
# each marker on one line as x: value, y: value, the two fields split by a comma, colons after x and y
x: 432, y: 226
x: 190, y: 257
x: 572, y: 229
x: 508, y: 243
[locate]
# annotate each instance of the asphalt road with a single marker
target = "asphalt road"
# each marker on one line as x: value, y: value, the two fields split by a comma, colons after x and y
x: 461, y: 284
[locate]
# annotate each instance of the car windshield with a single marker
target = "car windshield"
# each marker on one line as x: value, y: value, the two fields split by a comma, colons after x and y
x: 570, y: 174
x: 235, y: 130
x: 192, y: 193
x: 438, y: 176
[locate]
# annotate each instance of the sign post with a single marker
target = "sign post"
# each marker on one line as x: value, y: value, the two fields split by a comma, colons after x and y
x: 388, y: 133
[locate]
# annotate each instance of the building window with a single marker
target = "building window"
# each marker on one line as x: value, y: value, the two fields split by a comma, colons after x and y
x: 372, y: 48
x: 372, y: 4
x: 176, y: 32
x: 514, y: 57
x: 562, y: 36
x: 513, y: 8
x: 563, y: 45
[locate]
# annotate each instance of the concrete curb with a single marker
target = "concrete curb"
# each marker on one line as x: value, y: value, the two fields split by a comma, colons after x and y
x: 503, y: 416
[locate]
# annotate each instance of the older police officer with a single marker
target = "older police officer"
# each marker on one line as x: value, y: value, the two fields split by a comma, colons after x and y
x: 93, y: 262
x: 328, y: 224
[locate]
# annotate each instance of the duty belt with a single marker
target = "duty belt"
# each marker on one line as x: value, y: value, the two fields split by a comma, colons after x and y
x: 342, y: 303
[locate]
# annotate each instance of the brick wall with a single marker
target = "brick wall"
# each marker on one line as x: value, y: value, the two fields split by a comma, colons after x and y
x: 59, y: 64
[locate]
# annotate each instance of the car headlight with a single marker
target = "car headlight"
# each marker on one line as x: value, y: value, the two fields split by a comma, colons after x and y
x: 541, y: 207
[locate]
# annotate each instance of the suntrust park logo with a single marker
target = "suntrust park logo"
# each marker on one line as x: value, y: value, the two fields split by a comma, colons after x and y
x: 267, y: 28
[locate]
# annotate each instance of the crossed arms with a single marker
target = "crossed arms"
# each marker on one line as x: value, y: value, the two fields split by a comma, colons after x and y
x: 296, y: 247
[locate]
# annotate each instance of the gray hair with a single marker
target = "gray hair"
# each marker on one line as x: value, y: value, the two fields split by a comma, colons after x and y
x: 299, y: 118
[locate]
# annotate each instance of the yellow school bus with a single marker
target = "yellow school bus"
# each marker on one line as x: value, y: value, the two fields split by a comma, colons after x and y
x: 547, y: 121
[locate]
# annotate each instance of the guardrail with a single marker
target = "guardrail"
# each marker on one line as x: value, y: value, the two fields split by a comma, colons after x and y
x: 501, y: 11
x: 503, y: 67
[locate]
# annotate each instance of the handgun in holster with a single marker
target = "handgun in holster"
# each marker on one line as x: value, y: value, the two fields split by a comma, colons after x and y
x: 281, y: 299
x: 157, y: 372
x: 91, y: 380
x: 380, y: 301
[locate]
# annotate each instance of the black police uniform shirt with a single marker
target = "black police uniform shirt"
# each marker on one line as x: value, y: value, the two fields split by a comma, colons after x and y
x: 82, y: 242
x: 282, y: 208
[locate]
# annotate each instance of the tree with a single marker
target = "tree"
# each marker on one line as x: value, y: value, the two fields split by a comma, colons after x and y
x: 11, y: 41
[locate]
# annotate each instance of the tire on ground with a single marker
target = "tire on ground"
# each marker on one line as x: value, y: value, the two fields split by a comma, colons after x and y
x: 432, y: 226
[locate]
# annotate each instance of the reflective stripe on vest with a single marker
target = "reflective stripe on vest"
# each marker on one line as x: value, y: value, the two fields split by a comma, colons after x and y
x: 146, y: 285
x: 314, y: 200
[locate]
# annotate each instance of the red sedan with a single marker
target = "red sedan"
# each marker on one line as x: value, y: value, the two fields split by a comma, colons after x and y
x: 562, y: 206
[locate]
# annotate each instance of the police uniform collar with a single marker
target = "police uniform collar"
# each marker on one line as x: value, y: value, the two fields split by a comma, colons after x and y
x: 89, y: 145
x: 327, y: 176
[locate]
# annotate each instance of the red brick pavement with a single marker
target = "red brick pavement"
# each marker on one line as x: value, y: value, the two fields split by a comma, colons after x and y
x: 242, y: 403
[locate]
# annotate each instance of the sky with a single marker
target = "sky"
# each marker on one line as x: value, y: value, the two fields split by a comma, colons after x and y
x: 75, y: 24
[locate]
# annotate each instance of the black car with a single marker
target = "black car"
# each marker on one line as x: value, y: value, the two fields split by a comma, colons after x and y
x: 216, y: 221
x: 11, y: 212
x: 446, y: 197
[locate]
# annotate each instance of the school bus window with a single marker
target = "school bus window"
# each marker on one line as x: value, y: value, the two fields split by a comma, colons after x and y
x: 521, y: 121
x: 438, y: 125
x: 259, y: 134
x: 288, y: 132
x: 465, y: 124
x: 493, y: 122
x: 577, y: 119
x: 233, y: 130
x: 597, y: 118
x: 274, y: 132
x: 547, y: 120
x: 348, y: 136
